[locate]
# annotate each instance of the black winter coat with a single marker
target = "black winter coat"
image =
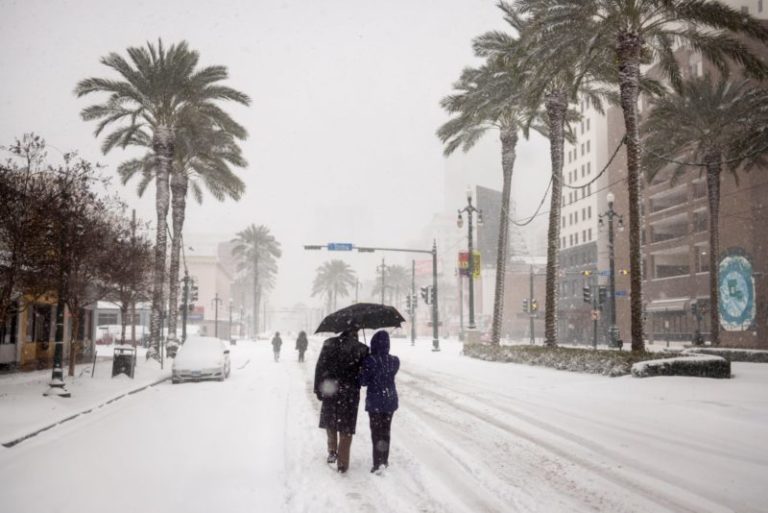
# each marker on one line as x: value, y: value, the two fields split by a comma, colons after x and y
x: 336, y: 382
x: 302, y: 343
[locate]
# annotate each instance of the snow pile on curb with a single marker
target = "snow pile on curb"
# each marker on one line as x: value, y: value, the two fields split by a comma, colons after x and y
x: 732, y: 354
x: 605, y: 362
x: 704, y: 366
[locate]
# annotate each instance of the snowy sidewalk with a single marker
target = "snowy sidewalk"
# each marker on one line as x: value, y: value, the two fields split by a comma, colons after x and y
x: 25, y: 409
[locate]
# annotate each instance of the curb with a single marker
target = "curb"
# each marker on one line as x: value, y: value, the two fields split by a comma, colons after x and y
x: 18, y: 440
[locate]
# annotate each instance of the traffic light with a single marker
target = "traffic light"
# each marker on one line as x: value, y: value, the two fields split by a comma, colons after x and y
x: 587, y: 294
x: 624, y: 272
x: 602, y: 293
x: 193, y: 293
x: 425, y: 294
x: 525, y: 306
x: 432, y: 294
x: 534, y: 306
x: 408, y: 303
x: 415, y: 301
x: 586, y: 273
x: 191, y: 307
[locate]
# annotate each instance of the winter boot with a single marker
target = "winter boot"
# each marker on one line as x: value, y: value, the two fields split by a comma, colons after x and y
x: 331, y: 457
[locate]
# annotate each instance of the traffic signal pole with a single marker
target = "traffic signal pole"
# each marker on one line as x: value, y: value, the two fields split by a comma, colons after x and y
x: 412, y: 302
x: 185, y: 306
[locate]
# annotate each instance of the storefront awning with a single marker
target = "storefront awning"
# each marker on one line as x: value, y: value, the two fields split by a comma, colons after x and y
x: 679, y: 304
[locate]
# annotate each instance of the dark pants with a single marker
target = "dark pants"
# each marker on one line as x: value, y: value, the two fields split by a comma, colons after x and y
x: 301, y: 355
x: 381, y: 424
x: 341, y: 445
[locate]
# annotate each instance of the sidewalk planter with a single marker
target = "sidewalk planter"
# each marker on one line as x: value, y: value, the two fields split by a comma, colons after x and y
x: 704, y: 366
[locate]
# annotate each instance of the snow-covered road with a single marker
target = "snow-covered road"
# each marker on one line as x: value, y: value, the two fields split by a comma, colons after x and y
x: 471, y: 436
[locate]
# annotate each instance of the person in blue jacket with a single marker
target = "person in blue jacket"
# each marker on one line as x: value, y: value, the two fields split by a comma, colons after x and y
x: 378, y: 374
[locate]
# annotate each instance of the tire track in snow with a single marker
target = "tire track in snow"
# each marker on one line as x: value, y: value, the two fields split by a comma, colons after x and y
x: 650, y: 490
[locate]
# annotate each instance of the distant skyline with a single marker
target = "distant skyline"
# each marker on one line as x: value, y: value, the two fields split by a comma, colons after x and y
x: 342, y: 126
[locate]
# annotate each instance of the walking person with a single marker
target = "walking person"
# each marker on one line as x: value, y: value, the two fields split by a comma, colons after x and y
x: 337, y: 385
x: 301, y: 345
x: 378, y: 374
x: 277, y: 342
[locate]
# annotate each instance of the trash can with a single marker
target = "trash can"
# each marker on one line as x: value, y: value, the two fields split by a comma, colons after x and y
x: 123, y: 360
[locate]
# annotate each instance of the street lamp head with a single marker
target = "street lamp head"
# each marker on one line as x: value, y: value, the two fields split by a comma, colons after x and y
x: 610, y: 197
x: 621, y: 224
x: 600, y: 222
x: 469, y: 193
x: 479, y: 218
x: 459, y: 220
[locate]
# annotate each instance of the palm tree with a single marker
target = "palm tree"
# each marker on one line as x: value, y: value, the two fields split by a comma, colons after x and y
x: 552, y: 79
x: 204, y: 156
x: 631, y: 33
x: 257, y: 249
x: 160, y: 91
x: 718, y: 125
x: 332, y: 279
x: 396, y: 278
x: 487, y: 98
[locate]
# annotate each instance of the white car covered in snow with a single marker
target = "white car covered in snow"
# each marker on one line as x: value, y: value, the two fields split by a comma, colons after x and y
x: 201, y: 358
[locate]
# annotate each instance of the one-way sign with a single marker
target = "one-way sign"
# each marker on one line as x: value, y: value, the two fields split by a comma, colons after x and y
x: 339, y: 246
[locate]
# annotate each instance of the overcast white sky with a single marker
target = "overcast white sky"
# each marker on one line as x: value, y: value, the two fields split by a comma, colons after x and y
x: 345, y: 106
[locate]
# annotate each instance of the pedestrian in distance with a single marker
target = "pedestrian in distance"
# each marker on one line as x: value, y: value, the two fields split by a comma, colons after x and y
x: 378, y: 374
x: 277, y: 342
x: 301, y: 345
x: 337, y: 385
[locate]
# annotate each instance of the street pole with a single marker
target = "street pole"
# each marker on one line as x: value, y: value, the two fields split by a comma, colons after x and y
x: 383, y: 282
x: 216, y: 315
x: 230, y: 319
x: 530, y: 306
x: 470, y: 211
x: 413, y: 302
x: 461, y: 306
x: 612, y: 271
x: 435, y: 320
x: 185, y: 306
x: 595, y: 309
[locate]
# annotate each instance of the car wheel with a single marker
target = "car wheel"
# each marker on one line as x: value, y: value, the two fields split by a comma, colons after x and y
x: 175, y: 381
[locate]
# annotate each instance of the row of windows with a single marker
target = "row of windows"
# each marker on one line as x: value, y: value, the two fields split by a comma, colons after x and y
x: 574, y: 195
x: 574, y: 153
x: 573, y: 217
x: 586, y: 169
x: 573, y: 239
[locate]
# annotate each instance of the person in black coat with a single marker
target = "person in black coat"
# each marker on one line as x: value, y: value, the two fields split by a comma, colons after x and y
x: 378, y: 374
x: 301, y: 345
x: 277, y: 343
x: 337, y: 385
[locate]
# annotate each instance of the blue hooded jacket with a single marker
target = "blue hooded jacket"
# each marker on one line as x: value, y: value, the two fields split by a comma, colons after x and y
x: 378, y: 374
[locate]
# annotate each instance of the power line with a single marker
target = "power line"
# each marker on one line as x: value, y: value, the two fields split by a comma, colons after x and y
x: 703, y: 164
x: 535, y: 214
x: 605, y: 168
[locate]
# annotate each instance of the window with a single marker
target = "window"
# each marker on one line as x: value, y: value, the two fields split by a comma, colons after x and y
x: 582, y: 170
x: 584, y: 238
x: 589, y: 212
x: 589, y: 168
x: 759, y: 5
x: 588, y: 119
x: 563, y: 244
x: 702, y: 259
x: 570, y: 198
x: 582, y: 149
x: 576, y: 238
x: 582, y: 127
x: 583, y: 214
x: 587, y: 146
x: 39, y: 323
x: 563, y: 221
x: 9, y: 328
x: 590, y: 233
x: 107, y: 318
x: 587, y: 102
x: 744, y: 9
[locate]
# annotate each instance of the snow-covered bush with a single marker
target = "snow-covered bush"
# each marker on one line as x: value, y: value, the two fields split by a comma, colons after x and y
x: 732, y: 354
x: 704, y: 366
x: 601, y: 361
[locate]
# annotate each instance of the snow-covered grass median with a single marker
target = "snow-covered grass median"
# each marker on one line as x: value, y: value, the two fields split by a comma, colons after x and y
x: 732, y: 354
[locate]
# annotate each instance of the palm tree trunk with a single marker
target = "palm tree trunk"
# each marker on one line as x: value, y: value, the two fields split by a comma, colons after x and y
x: 713, y: 196
x: 163, y: 146
x: 75, y: 325
x: 628, y: 53
x: 556, y: 106
x: 508, y: 155
x: 255, y: 292
x: 179, y: 182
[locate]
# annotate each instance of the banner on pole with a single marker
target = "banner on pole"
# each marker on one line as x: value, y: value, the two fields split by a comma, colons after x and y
x: 464, y: 264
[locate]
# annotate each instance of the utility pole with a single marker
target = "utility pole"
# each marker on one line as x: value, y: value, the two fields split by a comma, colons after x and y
x: 461, y: 305
x: 185, y: 305
x: 133, y: 302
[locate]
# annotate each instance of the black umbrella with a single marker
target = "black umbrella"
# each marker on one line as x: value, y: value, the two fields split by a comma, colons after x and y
x: 361, y: 316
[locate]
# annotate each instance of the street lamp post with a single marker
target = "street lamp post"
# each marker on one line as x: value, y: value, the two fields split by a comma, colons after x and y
x: 610, y: 214
x: 216, y: 301
x: 230, y: 319
x: 470, y: 210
